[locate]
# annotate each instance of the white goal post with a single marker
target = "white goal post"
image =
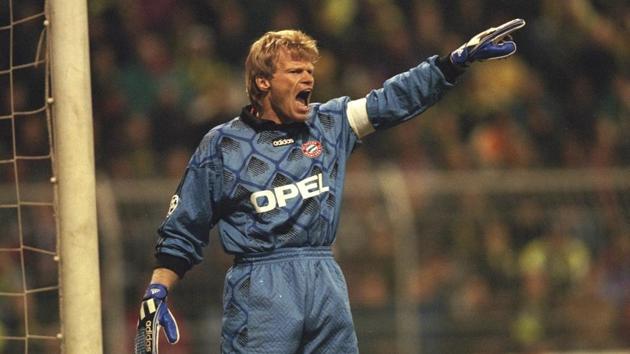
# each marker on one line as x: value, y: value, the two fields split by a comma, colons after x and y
x: 74, y: 149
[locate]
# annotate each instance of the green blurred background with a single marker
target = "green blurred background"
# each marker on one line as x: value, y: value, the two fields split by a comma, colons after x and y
x: 497, y: 222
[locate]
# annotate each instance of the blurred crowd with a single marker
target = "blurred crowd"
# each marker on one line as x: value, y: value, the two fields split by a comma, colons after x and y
x: 164, y: 72
x: 496, y: 273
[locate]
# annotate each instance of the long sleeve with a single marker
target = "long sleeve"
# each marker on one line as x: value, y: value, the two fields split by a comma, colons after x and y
x: 193, y: 211
x: 401, y: 98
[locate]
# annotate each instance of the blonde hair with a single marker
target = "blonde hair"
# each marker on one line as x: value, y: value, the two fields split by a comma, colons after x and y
x: 263, y: 53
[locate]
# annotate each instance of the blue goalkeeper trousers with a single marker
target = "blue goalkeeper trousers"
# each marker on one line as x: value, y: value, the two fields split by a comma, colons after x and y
x: 289, y: 301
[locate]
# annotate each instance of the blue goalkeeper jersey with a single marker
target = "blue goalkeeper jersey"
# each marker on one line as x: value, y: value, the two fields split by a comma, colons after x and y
x: 269, y: 186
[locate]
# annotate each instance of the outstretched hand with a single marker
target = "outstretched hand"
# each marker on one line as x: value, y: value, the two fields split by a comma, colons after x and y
x: 493, y: 43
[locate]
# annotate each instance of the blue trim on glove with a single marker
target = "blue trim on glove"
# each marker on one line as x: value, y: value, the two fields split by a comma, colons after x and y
x: 154, y: 314
x: 493, y: 43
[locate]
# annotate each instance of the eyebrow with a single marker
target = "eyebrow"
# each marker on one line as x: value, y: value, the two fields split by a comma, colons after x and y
x: 291, y: 66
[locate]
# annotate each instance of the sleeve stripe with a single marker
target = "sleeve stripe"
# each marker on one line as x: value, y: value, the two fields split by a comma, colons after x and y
x: 356, y: 112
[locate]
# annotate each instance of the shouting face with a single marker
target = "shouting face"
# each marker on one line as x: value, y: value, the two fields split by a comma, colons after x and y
x: 289, y: 89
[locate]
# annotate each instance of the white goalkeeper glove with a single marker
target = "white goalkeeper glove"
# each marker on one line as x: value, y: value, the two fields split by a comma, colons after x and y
x: 493, y: 43
x: 154, y: 314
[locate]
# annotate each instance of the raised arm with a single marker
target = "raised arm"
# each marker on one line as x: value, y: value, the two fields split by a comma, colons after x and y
x: 410, y: 93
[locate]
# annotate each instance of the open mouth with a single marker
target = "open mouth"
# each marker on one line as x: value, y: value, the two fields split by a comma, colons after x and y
x: 304, y: 96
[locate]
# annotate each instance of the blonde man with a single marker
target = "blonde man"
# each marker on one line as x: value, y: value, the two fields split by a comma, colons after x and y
x: 272, y: 180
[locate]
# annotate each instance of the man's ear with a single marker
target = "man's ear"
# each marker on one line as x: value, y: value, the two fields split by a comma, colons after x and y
x: 263, y: 84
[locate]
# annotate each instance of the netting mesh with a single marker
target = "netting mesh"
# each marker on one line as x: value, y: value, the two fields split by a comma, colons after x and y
x: 29, y: 282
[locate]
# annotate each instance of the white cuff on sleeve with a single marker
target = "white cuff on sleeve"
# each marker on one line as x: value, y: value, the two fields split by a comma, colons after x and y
x: 358, y: 117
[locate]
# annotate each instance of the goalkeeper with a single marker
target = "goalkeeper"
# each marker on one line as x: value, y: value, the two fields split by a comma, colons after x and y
x: 272, y: 180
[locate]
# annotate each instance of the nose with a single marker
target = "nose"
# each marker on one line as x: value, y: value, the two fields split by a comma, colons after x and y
x: 308, y: 78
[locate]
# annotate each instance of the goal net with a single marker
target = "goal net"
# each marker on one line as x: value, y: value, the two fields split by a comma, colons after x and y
x: 48, y: 242
x: 29, y: 285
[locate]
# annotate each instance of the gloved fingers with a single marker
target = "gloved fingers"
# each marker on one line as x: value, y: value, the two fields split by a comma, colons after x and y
x: 480, y: 38
x: 156, y: 338
x: 497, y: 51
x: 168, y: 323
x: 499, y: 33
x: 495, y: 35
x: 507, y: 38
x: 493, y: 43
x: 146, y: 341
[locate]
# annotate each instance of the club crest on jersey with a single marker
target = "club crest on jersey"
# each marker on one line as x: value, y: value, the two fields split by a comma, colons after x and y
x: 282, y: 142
x: 312, y: 149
